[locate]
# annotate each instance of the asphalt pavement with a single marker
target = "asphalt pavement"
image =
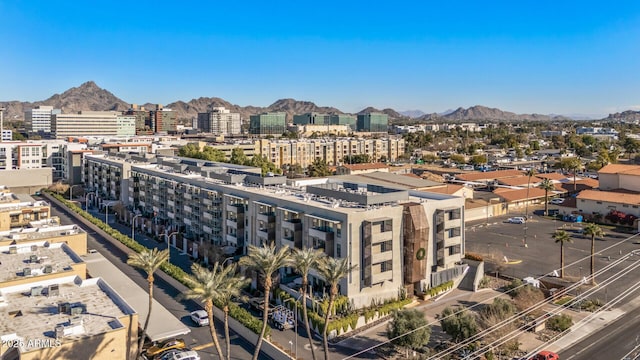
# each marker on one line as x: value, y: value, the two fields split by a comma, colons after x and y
x: 165, y: 293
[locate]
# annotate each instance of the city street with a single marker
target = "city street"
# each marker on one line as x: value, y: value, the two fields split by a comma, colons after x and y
x: 199, y: 338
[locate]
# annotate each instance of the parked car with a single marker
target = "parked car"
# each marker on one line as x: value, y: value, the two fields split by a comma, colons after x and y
x: 556, y: 201
x: 516, y: 220
x: 545, y: 355
x: 171, y: 344
x: 200, y: 317
x: 179, y: 355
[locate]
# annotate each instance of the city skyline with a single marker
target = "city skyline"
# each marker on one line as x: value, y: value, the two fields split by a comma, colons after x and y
x: 549, y: 58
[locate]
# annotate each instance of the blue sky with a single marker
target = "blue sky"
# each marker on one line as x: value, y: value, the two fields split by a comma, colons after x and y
x: 523, y: 56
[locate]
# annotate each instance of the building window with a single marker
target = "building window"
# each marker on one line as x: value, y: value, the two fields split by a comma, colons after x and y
x: 339, y: 230
x: 338, y: 251
x: 454, y: 249
x: 387, y: 225
x: 599, y: 202
x: 386, y: 246
x: 386, y: 266
x: 453, y: 232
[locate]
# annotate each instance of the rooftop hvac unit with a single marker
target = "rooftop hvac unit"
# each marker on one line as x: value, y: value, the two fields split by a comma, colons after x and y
x: 75, y: 320
x: 34, y: 247
x: 13, y: 250
x: 77, y: 310
x: 26, y: 271
x: 53, y: 290
x: 64, y: 308
x: 48, y: 269
x: 59, y: 332
x: 33, y: 259
x: 36, y: 291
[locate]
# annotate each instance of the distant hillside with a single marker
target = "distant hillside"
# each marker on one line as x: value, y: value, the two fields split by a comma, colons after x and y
x: 90, y: 96
x: 87, y: 96
x: 625, y: 116
x: 412, y: 113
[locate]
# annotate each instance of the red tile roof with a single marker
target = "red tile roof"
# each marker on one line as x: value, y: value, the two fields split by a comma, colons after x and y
x: 620, y: 169
x: 610, y: 196
x: 519, y: 181
x: 510, y: 195
x: 552, y: 176
x: 448, y: 189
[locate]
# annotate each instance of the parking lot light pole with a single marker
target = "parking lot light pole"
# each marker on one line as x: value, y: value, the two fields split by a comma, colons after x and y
x: 295, y: 324
x: 133, y: 226
x: 168, y: 245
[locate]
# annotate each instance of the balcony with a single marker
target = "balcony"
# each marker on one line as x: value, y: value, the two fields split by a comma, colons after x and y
x: 377, y: 278
x: 378, y: 257
x: 231, y: 239
x: 266, y: 217
x: 207, y: 215
x: 381, y: 237
x: 320, y: 234
x: 292, y: 225
x: 232, y: 223
x: 187, y: 208
x: 207, y: 229
x: 156, y: 198
x: 287, y: 242
x: 187, y: 221
x: 187, y: 196
x: 170, y: 191
x: 156, y: 187
x: 170, y: 203
x: 207, y: 202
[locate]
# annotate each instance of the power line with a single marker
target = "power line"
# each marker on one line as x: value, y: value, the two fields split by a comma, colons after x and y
x: 483, y: 302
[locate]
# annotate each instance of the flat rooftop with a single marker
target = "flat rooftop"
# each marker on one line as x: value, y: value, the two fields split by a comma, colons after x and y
x: 39, y: 258
x: 19, y: 205
x: 30, y: 312
x: 42, y: 232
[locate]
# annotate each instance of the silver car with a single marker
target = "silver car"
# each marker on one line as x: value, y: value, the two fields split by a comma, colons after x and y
x: 200, y: 317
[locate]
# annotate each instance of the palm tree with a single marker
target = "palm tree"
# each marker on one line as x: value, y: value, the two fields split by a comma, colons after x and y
x: 219, y: 284
x: 332, y: 270
x: 303, y: 261
x: 574, y: 165
x: 530, y: 174
x: 546, y: 185
x: 148, y: 261
x: 561, y: 237
x: 593, y: 230
x: 265, y: 260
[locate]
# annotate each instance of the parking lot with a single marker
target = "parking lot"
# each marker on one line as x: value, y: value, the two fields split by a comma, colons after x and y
x: 502, y: 243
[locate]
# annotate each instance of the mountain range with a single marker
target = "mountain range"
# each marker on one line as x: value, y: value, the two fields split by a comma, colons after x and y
x: 89, y: 96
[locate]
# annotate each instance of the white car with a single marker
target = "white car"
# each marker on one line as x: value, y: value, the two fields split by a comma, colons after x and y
x: 200, y: 317
x: 516, y: 220
x: 179, y: 355
x: 556, y: 201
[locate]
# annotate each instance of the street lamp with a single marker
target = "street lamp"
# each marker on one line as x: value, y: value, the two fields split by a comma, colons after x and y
x: 169, y: 246
x: 295, y: 319
x: 71, y: 191
x: 86, y: 201
x: 106, y: 213
x: 133, y: 225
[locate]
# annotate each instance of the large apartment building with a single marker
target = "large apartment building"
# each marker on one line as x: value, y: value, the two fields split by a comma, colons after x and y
x: 331, y: 150
x: 397, y: 237
x: 220, y: 121
x: 93, y: 123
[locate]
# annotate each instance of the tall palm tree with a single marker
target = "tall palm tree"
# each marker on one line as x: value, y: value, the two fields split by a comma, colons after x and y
x: 265, y: 260
x: 332, y: 270
x: 562, y: 237
x: 593, y: 230
x: 303, y: 261
x: 148, y: 261
x: 574, y: 165
x: 218, y: 284
x: 546, y: 185
x: 530, y: 174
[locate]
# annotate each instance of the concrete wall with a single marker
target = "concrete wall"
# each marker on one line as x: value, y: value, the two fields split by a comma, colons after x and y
x: 26, y: 181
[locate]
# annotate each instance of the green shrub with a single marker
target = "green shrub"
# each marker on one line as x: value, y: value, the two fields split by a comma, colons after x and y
x: 236, y: 312
x: 473, y: 256
x: 440, y: 288
x: 560, y: 322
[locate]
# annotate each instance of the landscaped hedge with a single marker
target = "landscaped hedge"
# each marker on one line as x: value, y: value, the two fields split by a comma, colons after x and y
x: 440, y: 288
x: 236, y: 312
x: 473, y: 256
